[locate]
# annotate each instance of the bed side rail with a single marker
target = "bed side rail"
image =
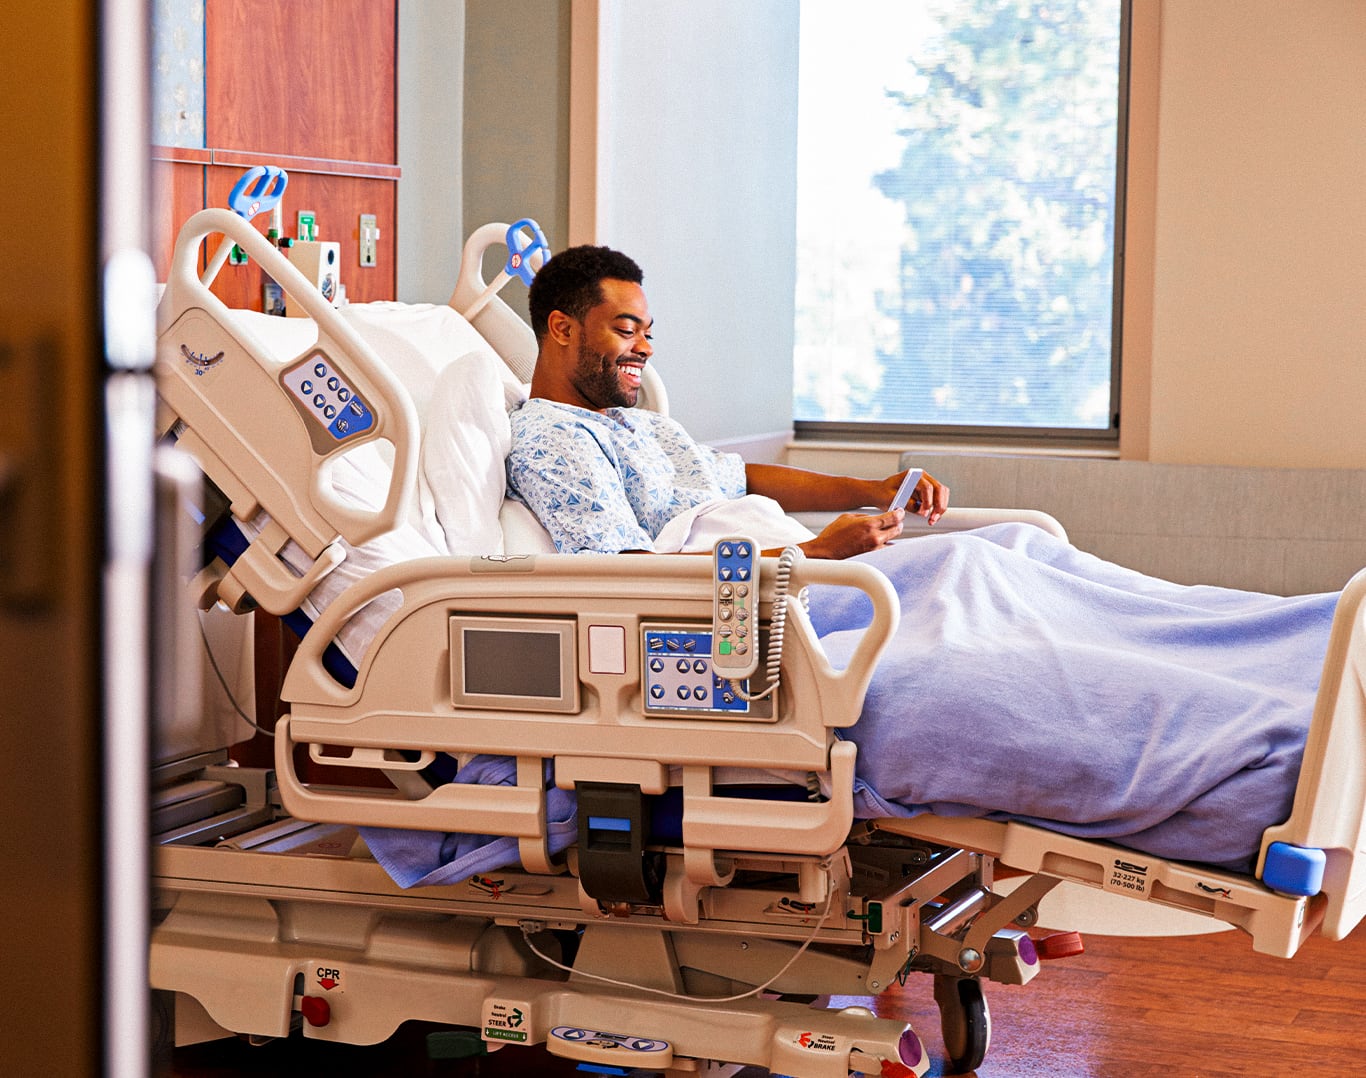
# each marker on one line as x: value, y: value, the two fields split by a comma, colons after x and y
x: 1328, y: 821
x: 268, y: 432
x: 402, y: 703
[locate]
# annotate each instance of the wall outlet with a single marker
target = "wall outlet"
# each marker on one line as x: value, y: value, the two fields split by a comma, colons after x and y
x: 308, y: 225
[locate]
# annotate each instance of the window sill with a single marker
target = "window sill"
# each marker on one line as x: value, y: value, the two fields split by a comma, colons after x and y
x: 1021, y: 447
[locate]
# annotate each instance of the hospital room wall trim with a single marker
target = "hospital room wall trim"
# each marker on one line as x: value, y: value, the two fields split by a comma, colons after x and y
x: 1140, y: 194
x: 247, y: 158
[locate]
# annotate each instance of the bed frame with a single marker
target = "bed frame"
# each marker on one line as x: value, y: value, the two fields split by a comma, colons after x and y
x: 622, y: 951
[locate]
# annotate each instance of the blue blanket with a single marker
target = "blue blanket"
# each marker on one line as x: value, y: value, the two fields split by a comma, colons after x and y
x: 1031, y: 681
x: 420, y: 858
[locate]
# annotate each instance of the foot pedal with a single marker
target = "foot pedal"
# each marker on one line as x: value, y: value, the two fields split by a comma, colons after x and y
x: 592, y: 1046
x: 1011, y: 957
x: 1060, y: 945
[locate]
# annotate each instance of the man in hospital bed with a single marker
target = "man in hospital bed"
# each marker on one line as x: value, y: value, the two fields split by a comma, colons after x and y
x: 1028, y: 680
x: 576, y: 433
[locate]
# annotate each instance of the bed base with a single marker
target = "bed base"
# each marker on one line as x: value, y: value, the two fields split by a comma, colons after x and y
x: 319, y: 942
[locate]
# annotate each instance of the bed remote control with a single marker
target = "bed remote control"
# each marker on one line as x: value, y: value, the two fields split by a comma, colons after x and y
x: 735, y: 601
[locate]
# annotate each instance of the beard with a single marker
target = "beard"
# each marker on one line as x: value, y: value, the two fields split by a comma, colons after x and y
x: 598, y: 380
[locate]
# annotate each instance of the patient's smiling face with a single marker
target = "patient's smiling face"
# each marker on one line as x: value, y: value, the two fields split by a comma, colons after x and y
x: 613, y: 348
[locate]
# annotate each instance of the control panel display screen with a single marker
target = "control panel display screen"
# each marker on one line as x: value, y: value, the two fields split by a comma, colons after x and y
x: 502, y: 662
x: 514, y: 664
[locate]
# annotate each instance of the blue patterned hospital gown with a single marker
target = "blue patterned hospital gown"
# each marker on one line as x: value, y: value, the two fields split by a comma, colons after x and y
x: 610, y: 481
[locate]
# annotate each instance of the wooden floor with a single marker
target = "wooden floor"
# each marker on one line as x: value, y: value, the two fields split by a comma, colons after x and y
x: 1190, y: 1007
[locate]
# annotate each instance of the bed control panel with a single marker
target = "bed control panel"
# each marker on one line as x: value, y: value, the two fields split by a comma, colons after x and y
x: 735, y: 598
x: 681, y: 678
x: 327, y: 398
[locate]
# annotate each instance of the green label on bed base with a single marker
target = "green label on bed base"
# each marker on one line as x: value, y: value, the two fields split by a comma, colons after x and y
x: 506, y: 1020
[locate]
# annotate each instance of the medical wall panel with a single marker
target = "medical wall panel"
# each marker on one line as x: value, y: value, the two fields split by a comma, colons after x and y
x: 338, y: 202
x: 310, y: 78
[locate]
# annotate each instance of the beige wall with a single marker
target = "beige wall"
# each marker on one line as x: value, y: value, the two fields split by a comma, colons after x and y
x: 1259, y: 235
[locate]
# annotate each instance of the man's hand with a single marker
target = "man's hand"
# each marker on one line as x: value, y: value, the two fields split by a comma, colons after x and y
x: 930, y: 499
x: 855, y: 533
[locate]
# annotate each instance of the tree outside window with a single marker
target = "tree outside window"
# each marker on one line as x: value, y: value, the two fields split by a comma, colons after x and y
x: 957, y: 201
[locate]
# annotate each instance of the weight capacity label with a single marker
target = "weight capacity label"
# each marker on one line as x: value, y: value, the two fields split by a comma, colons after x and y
x: 1128, y: 877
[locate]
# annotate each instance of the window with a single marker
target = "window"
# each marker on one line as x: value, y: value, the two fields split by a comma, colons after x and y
x: 958, y: 208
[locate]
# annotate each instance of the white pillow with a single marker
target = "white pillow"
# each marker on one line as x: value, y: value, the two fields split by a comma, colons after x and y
x: 462, y: 479
x: 416, y: 341
x: 522, y: 532
x: 284, y: 338
x: 403, y: 544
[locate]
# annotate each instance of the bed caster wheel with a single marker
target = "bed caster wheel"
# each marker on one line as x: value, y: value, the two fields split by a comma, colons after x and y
x: 964, y: 1021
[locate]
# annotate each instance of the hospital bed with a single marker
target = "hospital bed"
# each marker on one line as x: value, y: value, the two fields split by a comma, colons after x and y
x: 694, y: 911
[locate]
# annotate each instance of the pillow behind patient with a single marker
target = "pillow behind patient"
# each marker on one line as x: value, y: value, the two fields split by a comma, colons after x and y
x: 461, y: 478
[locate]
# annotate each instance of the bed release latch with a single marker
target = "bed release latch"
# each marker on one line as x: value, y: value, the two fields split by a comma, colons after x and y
x: 614, y: 866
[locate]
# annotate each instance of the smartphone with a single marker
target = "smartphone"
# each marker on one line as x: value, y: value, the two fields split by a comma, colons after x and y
x: 908, y: 485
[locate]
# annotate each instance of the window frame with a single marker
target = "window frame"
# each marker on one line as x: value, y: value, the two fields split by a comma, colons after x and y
x: 844, y: 430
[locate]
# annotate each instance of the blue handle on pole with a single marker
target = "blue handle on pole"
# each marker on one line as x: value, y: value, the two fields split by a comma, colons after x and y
x: 522, y: 247
x: 260, y: 188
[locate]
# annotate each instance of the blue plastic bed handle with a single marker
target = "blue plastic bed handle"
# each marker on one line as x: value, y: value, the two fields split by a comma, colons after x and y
x: 1294, y: 870
x: 521, y: 248
x: 260, y: 188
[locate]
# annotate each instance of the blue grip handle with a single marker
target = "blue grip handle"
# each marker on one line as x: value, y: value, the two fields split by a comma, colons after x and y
x: 260, y: 188
x: 521, y: 248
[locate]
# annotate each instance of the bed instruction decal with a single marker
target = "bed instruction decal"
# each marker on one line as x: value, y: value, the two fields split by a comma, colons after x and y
x: 1127, y: 877
x: 202, y: 362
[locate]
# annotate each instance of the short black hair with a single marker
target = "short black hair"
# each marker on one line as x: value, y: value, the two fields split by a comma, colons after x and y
x: 571, y: 281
